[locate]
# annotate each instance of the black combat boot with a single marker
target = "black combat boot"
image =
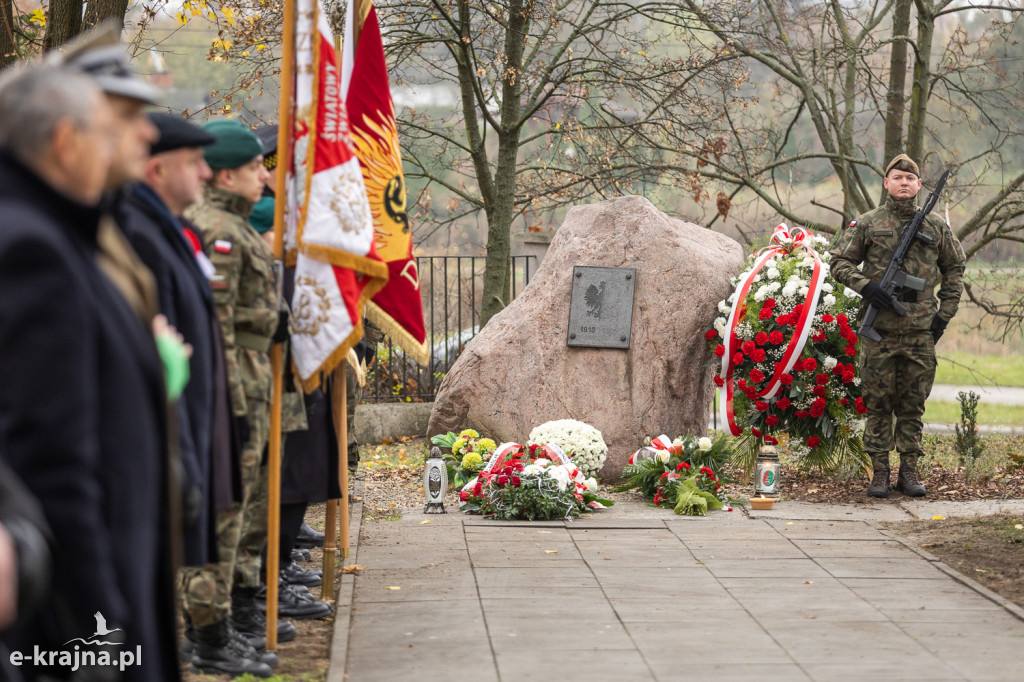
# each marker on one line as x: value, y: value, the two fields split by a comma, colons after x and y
x: 295, y: 601
x: 879, y: 476
x: 249, y: 620
x: 308, y: 537
x: 216, y: 652
x: 263, y: 656
x: 293, y: 574
x: 907, y: 481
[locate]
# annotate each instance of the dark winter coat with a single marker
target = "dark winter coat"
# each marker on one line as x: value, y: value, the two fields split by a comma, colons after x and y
x: 82, y: 422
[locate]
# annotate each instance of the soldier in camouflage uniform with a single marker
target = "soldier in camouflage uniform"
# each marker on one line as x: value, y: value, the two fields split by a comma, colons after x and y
x: 245, y: 294
x: 898, y: 371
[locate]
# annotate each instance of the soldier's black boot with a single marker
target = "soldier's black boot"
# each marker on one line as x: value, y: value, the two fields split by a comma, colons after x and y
x: 308, y: 537
x: 263, y: 656
x: 879, y: 476
x: 217, y: 653
x: 907, y: 481
x: 249, y: 620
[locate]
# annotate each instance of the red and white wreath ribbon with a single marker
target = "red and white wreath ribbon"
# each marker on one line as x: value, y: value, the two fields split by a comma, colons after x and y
x: 784, y: 241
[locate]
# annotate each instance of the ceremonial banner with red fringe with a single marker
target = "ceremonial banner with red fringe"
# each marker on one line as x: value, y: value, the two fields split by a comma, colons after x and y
x: 397, y: 308
x: 782, y: 241
x: 329, y: 230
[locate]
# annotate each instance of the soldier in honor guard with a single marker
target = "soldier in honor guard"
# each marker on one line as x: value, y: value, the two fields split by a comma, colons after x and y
x: 245, y: 295
x: 898, y: 371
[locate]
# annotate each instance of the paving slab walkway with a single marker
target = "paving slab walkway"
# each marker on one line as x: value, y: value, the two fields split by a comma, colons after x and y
x: 803, y: 592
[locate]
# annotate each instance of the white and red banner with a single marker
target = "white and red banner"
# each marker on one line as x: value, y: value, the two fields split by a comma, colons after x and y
x: 397, y: 308
x: 329, y: 229
x: 783, y: 241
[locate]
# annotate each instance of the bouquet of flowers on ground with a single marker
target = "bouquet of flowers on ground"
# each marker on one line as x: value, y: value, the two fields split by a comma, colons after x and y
x: 789, y: 356
x: 648, y: 466
x: 532, y: 483
x: 468, y: 456
x: 689, y: 493
x: 581, y: 442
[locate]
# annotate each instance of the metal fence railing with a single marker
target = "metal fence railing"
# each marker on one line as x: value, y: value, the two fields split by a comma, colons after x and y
x: 451, y: 288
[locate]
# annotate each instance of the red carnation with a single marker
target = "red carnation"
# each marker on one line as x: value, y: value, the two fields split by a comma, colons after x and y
x: 503, y: 479
x: 755, y: 432
x: 515, y: 481
x: 844, y: 401
x: 851, y: 351
x: 765, y: 314
x: 798, y: 365
x: 817, y: 407
x: 775, y: 337
x: 786, y: 379
x: 771, y: 420
x: 534, y: 448
x: 813, y: 442
x: 847, y: 377
x: 463, y: 496
x: 818, y: 335
x: 771, y: 441
x: 719, y: 350
x: 782, y: 320
x: 719, y: 381
x: 710, y: 334
x: 821, y: 379
x: 751, y: 392
x: 477, y: 490
x: 810, y: 364
x: 819, y: 391
x: 756, y: 376
x: 859, y: 406
x: 827, y: 317
x: 742, y: 384
x: 747, y: 347
x: 758, y: 355
x: 802, y: 414
x: 842, y: 319
x: 783, y: 403
x: 761, y: 338
x: 760, y: 405
x: 769, y: 303
x: 737, y: 359
x: 681, y: 466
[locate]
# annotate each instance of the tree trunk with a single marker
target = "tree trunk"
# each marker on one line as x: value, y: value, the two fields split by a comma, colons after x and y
x: 64, y: 21
x: 895, y: 97
x: 8, y: 50
x: 920, y: 89
x: 98, y: 10
x: 497, y: 288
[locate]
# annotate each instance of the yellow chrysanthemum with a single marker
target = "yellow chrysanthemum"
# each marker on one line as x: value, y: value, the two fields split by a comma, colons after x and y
x: 485, y: 445
x: 473, y: 462
x: 469, y: 433
x: 458, y: 444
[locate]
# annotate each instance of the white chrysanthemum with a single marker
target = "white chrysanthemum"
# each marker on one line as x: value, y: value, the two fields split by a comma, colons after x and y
x: 830, y: 362
x: 818, y: 239
x: 826, y: 287
x: 732, y: 297
x: 581, y: 442
x: 803, y: 291
x: 850, y: 293
x: 829, y: 300
x: 724, y: 308
x: 789, y: 291
x: 772, y: 273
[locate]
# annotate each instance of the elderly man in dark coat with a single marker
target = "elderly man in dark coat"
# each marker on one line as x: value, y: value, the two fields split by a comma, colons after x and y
x: 82, y: 404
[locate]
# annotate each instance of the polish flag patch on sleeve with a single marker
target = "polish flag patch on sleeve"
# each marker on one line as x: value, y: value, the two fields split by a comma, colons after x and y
x: 222, y: 246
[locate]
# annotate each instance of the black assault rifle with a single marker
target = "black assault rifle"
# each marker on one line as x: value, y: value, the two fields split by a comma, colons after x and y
x: 895, y: 279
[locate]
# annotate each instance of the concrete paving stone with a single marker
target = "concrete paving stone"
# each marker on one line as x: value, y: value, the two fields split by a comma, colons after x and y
x: 922, y: 594
x: 411, y: 557
x: 734, y: 638
x: 854, y: 548
x: 604, y: 522
x: 728, y: 672
x: 537, y: 591
x: 980, y: 638
x: 473, y: 521
x: 424, y: 585
x: 668, y: 610
x: 826, y: 530
x: 614, y: 535
x: 614, y: 665
x: 837, y: 607
x: 637, y: 555
x: 973, y: 665
x: 779, y: 548
x: 741, y: 529
x: 620, y: 582
x: 552, y: 576
x: 765, y: 568
x: 811, y: 511
x: 513, y: 632
x: 523, y: 554
x: 926, y: 509
x: 962, y: 617
x: 786, y: 587
x: 867, y: 668
x: 583, y: 603
x: 847, y: 567
x: 474, y: 534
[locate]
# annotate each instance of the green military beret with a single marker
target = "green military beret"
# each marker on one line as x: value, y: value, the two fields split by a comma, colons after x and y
x: 236, y: 145
x: 262, y: 216
x: 903, y: 163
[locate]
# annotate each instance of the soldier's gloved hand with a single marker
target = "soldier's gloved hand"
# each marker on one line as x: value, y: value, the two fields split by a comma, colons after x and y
x: 242, y: 425
x: 281, y: 333
x: 876, y: 296
x: 938, y: 327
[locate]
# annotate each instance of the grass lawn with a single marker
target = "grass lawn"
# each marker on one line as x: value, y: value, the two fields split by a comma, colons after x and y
x: 945, y: 412
x: 967, y: 369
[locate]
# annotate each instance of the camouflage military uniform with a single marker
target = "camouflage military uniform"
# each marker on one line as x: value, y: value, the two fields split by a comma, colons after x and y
x: 245, y: 293
x: 898, y: 371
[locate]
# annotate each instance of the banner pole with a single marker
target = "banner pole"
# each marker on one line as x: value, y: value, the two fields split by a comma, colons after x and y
x: 276, y: 361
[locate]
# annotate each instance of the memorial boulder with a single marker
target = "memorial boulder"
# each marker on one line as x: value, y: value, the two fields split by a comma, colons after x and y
x: 520, y: 371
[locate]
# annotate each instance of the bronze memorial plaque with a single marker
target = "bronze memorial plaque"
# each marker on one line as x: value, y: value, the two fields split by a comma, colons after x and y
x: 601, y: 306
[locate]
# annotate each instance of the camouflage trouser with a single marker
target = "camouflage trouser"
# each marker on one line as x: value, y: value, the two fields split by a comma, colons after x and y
x: 353, y: 394
x: 241, y: 532
x: 897, y: 375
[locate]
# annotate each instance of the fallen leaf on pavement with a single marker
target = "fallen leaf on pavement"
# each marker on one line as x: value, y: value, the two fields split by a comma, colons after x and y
x: 551, y: 551
x: 426, y: 521
x: 392, y: 587
x: 352, y: 568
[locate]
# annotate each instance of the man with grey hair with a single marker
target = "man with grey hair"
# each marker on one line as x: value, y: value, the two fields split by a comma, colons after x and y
x: 83, y: 405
